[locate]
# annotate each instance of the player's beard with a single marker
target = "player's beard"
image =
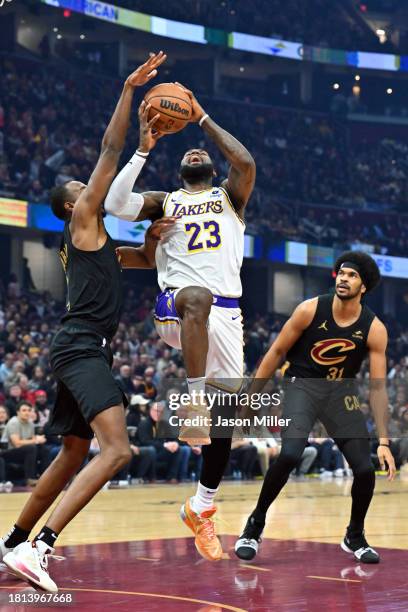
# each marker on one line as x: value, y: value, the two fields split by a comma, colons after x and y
x: 348, y: 296
x: 196, y: 173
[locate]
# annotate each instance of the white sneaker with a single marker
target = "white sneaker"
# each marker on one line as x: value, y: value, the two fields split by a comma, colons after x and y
x: 3, y: 548
x: 339, y: 473
x: 8, y: 486
x: 326, y: 474
x: 29, y: 561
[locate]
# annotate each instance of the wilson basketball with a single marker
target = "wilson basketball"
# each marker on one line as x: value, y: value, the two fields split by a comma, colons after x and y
x: 172, y: 103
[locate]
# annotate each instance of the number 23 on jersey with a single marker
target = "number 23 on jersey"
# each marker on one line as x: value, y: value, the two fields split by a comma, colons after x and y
x: 203, y: 236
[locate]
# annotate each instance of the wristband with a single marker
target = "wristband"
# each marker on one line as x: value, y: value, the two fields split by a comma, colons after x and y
x: 142, y: 153
x: 203, y: 118
x: 387, y: 445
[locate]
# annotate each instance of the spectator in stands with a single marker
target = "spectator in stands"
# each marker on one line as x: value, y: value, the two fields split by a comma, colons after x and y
x: 4, y: 417
x: 142, y: 466
x: 124, y: 380
x: 329, y: 458
x: 189, y: 454
x: 136, y: 410
x: 41, y: 407
x: 152, y: 432
x: 267, y: 449
x: 22, y: 442
x: 6, y: 368
x: 243, y: 457
x: 13, y: 399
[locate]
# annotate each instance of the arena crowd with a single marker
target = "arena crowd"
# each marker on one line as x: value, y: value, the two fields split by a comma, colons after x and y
x: 147, y: 370
x: 318, y: 180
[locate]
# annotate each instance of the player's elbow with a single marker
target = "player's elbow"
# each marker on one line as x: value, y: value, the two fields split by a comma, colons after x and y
x: 247, y: 164
x: 276, y: 352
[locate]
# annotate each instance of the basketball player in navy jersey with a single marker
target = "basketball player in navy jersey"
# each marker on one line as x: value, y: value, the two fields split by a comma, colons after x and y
x: 89, y: 401
x: 326, y: 339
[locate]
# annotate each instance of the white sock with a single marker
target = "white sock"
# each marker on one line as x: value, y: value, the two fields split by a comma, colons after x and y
x: 203, y: 499
x: 196, y: 389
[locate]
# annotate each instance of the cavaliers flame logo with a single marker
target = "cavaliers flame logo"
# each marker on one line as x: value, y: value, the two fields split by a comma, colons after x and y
x: 321, y: 348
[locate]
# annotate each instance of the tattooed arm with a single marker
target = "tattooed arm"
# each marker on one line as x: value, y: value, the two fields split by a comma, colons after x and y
x: 242, y: 172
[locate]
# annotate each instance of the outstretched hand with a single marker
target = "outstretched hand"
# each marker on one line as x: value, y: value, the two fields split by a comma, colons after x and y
x: 197, y: 110
x: 386, y: 460
x: 148, y: 135
x: 146, y: 71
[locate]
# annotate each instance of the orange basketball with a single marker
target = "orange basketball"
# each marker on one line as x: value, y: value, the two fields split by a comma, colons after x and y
x: 172, y: 103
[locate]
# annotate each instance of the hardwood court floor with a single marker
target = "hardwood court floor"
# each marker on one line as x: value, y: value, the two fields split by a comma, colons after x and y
x: 129, y: 550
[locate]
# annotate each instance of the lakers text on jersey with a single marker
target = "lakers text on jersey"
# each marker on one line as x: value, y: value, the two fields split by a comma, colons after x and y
x: 206, y: 245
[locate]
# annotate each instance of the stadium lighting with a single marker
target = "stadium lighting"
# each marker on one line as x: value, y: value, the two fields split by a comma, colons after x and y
x: 389, y: 91
x: 241, y: 69
x: 82, y: 36
x: 336, y: 86
x: 55, y: 29
x: 382, y: 35
x: 59, y: 36
x: 357, y: 77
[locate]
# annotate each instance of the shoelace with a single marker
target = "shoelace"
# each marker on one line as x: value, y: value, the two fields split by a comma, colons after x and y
x: 251, y: 539
x: 44, y: 557
x: 207, y: 527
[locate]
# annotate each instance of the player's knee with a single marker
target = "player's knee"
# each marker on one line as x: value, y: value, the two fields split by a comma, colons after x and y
x: 123, y: 457
x: 117, y: 457
x: 364, y: 470
x: 195, y: 303
x: 289, y: 458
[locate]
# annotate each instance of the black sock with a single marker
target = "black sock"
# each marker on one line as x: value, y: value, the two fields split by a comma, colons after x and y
x: 355, y: 528
x: 15, y: 537
x: 48, y: 536
x: 215, y: 459
x: 259, y: 516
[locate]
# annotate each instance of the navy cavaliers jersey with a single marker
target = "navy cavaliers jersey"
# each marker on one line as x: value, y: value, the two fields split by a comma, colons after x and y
x: 94, y: 285
x: 326, y: 350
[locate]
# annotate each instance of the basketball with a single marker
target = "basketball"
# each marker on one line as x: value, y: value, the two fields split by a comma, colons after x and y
x: 172, y: 103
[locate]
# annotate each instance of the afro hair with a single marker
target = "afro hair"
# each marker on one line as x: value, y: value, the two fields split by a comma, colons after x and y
x: 368, y: 269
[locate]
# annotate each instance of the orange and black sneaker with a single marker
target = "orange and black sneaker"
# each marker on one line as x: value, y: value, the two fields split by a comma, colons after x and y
x: 202, y: 525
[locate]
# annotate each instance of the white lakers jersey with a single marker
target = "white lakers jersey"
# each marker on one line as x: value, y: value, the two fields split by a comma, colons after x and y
x: 206, y: 245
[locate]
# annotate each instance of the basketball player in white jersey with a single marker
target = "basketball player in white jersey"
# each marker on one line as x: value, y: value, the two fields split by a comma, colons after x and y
x: 198, y: 267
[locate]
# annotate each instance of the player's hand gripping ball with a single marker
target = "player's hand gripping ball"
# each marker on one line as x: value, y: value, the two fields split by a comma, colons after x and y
x: 172, y: 103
